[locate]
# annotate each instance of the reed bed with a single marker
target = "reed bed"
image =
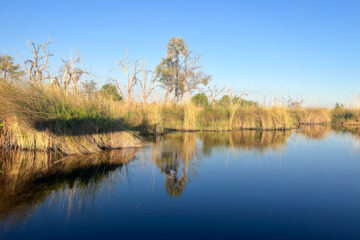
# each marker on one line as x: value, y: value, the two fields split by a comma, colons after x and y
x: 48, y: 119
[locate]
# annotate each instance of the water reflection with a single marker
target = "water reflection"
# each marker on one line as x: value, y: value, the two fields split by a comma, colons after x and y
x: 29, y: 178
x: 350, y: 129
x: 258, y: 141
x: 174, y: 155
x: 315, y: 131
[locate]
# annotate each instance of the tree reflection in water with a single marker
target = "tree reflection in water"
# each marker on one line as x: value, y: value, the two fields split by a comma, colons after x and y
x: 176, y: 155
x: 29, y: 179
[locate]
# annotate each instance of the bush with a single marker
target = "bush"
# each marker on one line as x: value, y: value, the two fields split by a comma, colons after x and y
x: 109, y: 90
x: 200, y: 99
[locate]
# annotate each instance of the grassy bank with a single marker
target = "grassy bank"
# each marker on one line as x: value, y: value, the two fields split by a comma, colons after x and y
x: 49, y: 119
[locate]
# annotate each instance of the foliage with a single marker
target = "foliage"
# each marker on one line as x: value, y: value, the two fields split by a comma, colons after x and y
x: 8, y: 69
x: 339, y: 105
x: 225, y: 102
x: 180, y: 72
x: 110, y: 91
x: 341, y: 115
x: 200, y: 99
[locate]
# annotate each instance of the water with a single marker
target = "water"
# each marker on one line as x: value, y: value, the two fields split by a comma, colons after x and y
x: 303, y: 184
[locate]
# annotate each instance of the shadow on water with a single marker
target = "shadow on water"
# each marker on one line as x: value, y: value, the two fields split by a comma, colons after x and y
x: 29, y: 178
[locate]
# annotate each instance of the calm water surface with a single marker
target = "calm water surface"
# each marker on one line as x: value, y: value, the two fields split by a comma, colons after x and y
x: 302, y: 184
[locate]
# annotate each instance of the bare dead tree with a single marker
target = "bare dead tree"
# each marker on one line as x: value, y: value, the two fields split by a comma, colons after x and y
x: 130, y: 71
x: 37, y: 66
x: 146, y: 82
x: 192, y: 75
x: 214, y: 93
x: 89, y: 87
x: 71, y: 73
x: 168, y: 90
x: 67, y: 73
x: 291, y: 102
x: 76, y: 76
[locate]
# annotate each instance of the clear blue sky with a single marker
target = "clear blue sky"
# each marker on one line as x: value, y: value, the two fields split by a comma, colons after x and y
x: 308, y: 49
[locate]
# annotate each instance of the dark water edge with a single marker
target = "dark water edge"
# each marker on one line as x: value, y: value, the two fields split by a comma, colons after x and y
x: 299, y: 184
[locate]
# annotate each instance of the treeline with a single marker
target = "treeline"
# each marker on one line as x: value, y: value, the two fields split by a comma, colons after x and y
x: 38, y: 104
x: 178, y: 76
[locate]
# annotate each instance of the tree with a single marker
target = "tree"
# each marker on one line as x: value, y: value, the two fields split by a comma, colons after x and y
x: 89, y: 87
x: 200, y: 99
x: 110, y: 91
x: 192, y: 76
x: 71, y: 73
x: 8, y: 69
x: 176, y: 47
x: 146, y: 82
x: 214, y: 93
x: 180, y: 72
x: 165, y: 74
x: 339, y: 106
x: 37, y: 66
x: 293, y: 102
x: 131, y: 77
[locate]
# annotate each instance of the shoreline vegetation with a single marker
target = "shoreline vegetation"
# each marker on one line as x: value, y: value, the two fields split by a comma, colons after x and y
x: 67, y: 113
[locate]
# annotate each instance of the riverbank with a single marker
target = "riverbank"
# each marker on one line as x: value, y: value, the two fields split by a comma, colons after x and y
x: 46, y: 118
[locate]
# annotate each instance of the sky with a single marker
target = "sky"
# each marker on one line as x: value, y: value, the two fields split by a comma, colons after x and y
x: 272, y: 49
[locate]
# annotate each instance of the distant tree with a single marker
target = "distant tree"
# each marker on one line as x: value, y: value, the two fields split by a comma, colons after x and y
x: 339, y: 106
x: 71, y: 74
x: 37, y: 66
x: 180, y: 72
x: 8, y: 69
x: 214, y: 92
x: 165, y: 73
x: 89, y: 87
x: 130, y: 71
x: 110, y: 90
x: 226, y: 101
x: 176, y: 47
x: 192, y: 76
x: 147, y: 82
x: 291, y: 102
x: 200, y: 99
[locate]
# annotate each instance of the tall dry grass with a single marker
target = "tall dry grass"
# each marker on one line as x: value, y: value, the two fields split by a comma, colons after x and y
x: 48, y: 119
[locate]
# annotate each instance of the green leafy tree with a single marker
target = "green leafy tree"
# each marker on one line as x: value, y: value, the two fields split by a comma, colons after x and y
x: 110, y: 90
x: 180, y: 72
x: 165, y: 72
x: 200, y: 99
x: 176, y: 47
x: 8, y: 69
x: 226, y: 101
x: 339, y: 106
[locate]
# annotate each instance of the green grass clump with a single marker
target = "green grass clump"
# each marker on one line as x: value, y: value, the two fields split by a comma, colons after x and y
x: 345, y: 116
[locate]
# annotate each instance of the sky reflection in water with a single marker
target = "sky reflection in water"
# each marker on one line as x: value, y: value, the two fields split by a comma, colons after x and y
x: 245, y: 184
